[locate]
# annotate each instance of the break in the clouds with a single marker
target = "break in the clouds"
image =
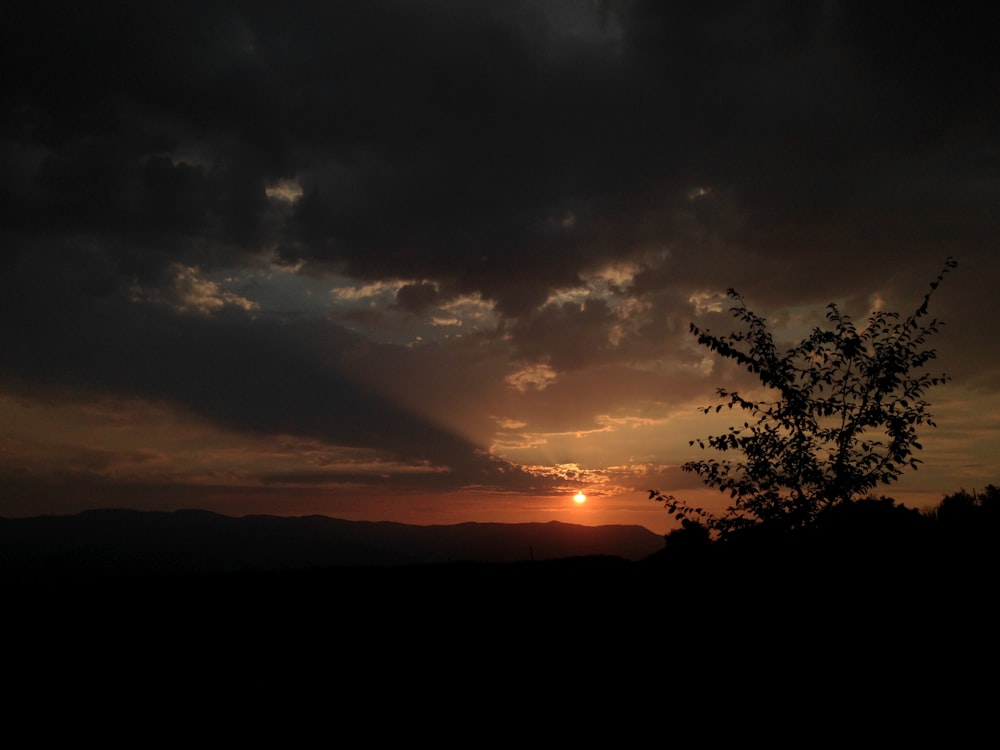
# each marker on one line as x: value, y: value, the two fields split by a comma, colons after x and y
x: 467, y: 239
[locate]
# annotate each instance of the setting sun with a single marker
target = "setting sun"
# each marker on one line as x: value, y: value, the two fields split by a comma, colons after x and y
x: 579, y: 498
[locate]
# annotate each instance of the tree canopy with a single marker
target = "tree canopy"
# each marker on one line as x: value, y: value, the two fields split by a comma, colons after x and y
x: 836, y: 415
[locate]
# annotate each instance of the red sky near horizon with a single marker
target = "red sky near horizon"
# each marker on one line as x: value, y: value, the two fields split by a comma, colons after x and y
x: 437, y: 263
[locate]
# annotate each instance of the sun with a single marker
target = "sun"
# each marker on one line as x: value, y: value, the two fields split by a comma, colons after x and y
x: 579, y: 498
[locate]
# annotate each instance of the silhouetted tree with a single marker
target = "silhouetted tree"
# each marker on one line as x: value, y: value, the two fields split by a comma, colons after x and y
x: 838, y: 416
x: 972, y: 518
x: 690, y: 536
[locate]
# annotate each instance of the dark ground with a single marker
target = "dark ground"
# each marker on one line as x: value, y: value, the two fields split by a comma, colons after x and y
x: 781, y: 644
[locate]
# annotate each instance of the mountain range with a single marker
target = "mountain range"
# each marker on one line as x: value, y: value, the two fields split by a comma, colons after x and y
x: 99, y: 542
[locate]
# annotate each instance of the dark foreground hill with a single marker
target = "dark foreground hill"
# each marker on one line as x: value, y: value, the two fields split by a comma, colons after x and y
x: 193, y: 541
x: 180, y: 614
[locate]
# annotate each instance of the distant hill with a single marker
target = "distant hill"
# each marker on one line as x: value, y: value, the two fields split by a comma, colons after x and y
x: 100, y: 542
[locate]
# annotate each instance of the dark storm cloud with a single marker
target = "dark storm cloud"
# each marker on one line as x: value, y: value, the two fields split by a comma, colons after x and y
x: 451, y: 141
x: 416, y: 298
x: 568, y: 336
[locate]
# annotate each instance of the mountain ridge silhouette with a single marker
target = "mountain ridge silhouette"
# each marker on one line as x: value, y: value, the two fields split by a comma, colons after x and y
x: 119, y: 541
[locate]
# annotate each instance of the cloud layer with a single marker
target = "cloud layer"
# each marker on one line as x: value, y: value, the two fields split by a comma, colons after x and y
x: 465, y: 240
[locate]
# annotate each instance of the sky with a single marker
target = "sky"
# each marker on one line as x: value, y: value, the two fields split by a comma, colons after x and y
x: 434, y: 261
